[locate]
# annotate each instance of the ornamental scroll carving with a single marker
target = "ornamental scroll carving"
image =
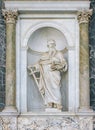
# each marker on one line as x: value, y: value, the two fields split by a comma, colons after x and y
x: 84, y: 16
x: 10, y: 16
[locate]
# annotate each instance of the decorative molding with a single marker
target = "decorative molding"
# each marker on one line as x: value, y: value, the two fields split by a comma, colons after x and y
x: 28, y: 6
x: 61, y: 28
x: 84, y: 16
x: 10, y: 15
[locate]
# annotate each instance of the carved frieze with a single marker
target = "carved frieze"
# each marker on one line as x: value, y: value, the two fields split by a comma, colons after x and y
x: 10, y: 15
x: 51, y: 123
x: 84, y: 16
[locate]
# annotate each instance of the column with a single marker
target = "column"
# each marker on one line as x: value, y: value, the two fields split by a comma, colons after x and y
x: 10, y: 18
x: 83, y: 18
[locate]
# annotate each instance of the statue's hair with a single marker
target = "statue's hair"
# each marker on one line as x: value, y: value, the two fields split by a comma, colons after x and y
x: 51, y: 43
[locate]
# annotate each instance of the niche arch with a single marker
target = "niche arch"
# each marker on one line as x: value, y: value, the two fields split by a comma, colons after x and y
x: 55, y: 25
x: 26, y: 102
x: 38, y: 43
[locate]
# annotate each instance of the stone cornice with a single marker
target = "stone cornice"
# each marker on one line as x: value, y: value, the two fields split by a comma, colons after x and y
x: 10, y: 15
x: 30, y: 6
x: 84, y: 16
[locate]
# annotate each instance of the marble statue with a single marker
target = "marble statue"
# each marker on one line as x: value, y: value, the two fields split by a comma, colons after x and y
x: 49, y: 67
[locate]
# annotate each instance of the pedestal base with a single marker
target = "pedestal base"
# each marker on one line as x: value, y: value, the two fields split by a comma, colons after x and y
x: 9, y: 109
x: 46, y: 122
x: 52, y: 110
x: 84, y: 109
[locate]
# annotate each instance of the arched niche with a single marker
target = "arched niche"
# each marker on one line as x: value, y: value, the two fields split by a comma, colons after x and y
x: 38, y: 43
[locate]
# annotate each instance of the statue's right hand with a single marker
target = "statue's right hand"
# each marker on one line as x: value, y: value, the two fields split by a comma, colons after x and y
x: 29, y: 67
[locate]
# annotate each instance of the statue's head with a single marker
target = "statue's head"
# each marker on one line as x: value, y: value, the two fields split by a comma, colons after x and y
x: 51, y: 46
x: 51, y: 43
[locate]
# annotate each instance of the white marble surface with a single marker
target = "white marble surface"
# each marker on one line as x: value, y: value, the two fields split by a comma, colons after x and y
x: 70, y: 32
x: 25, y: 28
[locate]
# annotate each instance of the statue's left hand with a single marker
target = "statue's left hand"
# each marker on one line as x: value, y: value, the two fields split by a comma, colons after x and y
x: 53, y: 67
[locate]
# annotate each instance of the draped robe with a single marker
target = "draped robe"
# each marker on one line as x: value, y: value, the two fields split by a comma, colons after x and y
x: 50, y: 68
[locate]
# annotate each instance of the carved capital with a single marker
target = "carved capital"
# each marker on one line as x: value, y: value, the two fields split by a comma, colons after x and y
x: 10, y: 16
x: 84, y: 16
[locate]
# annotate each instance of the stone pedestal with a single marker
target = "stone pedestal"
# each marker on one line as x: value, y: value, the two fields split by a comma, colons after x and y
x: 55, y: 123
x: 10, y: 17
x: 83, y: 18
x: 46, y: 121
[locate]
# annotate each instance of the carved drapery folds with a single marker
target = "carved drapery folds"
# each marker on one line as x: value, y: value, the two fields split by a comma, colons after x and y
x: 84, y: 16
x: 83, y: 19
x: 10, y: 17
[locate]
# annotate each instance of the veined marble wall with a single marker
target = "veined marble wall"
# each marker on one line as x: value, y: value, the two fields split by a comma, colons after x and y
x: 2, y: 58
x: 92, y: 55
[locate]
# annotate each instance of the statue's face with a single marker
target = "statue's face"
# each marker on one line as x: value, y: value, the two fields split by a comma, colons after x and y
x: 51, y: 44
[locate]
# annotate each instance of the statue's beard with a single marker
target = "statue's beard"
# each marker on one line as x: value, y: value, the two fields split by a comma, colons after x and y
x: 52, y: 53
